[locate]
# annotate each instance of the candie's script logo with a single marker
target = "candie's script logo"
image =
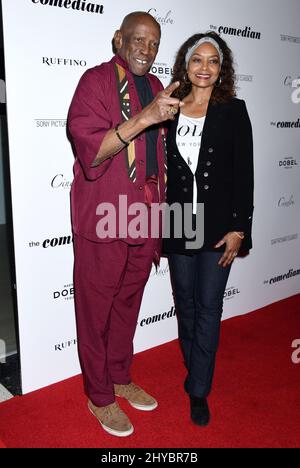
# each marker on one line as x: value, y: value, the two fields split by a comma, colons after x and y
x: 160, y: 271
x: 163, y: 19
x: 59, y: 181
x: 285, y: 202
x: 79, y: 5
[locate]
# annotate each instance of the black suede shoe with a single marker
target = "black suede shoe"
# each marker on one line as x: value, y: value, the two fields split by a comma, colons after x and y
x: 199, y: 411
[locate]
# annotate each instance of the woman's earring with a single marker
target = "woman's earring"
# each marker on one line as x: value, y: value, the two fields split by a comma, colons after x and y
x: 186, y: 78
x: 218, y: 82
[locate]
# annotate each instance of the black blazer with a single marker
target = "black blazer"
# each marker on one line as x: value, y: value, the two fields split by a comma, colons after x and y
x: 224, y: 176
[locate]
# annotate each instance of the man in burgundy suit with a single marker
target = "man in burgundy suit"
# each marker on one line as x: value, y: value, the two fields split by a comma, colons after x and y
x: 115, y: 124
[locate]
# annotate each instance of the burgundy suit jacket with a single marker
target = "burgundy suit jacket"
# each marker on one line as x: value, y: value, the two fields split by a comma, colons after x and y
x: 95, y: 108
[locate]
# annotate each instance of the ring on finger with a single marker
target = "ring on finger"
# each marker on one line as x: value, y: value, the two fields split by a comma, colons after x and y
x: 172, y: 110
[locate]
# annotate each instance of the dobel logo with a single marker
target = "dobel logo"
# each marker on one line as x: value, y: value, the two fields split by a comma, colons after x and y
x: 231, y: 292
x: 66, y: 293
x: 162, y: 70
x: 288, y: 162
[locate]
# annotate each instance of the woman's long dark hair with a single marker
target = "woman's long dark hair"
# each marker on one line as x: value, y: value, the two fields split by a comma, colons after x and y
x: 220, y: 93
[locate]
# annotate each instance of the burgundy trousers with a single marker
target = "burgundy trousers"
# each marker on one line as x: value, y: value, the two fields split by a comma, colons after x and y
x: 109, y: 283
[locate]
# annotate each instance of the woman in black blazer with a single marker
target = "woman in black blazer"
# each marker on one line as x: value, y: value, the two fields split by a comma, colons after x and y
x: 210, y: 166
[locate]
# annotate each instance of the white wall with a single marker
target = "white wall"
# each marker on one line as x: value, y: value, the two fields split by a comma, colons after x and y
x: 39, y: 90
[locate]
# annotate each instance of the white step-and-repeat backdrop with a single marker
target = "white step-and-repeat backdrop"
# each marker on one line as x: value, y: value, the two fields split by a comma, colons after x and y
x: 48, y: 45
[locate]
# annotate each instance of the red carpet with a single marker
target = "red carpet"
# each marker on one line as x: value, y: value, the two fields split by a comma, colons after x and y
x: 255, y: 400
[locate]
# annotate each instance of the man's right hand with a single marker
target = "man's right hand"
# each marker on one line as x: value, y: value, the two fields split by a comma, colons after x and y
x: 163, y: 106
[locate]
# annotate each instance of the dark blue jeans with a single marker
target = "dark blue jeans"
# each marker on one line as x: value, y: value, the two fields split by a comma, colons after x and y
x: 198, y: 285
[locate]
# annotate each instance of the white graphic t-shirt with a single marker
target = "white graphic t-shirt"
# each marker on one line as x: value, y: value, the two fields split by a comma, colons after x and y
x: 188, y: 139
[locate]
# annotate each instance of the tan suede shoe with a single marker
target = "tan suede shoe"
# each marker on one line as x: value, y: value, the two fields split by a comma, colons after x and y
x: 112, y: 419
x: 136, y: 396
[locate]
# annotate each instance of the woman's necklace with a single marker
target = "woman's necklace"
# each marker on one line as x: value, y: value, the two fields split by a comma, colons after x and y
x: 202, y: 101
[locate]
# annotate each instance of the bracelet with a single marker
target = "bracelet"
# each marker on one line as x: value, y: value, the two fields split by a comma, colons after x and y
x: 126, y: 143
x: 239, y: 235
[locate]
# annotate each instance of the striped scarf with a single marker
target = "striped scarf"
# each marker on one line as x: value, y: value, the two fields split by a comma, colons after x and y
x: 122, y: 85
